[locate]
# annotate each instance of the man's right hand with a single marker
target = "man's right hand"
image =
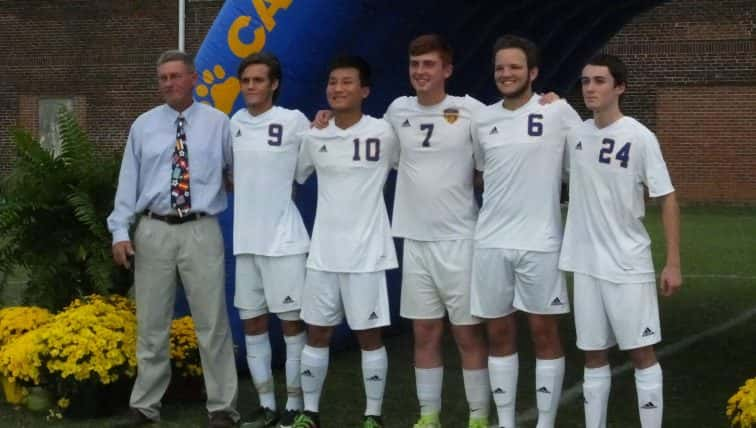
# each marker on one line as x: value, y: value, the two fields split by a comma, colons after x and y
x: 122, y: 252
x: 321, y: 119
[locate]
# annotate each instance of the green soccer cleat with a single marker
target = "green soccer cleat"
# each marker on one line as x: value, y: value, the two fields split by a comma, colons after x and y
x: 307, y: 419
x: 263, y: 417
x: 478, y: 423
x: 428, y: 421
x: 372, y: 421
x: 287, y: 418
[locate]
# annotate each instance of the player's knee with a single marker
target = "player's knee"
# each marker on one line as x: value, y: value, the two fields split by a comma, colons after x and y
x: 502, y: 336
x: 470, y: 339
x: 643, y: 358
x: 319, y: 337
x: 369, y: 340
x: 291, y: 327
x: 546, y: 340
x: 596, y: 359
x: 256, y: 325
x: 428, y: 333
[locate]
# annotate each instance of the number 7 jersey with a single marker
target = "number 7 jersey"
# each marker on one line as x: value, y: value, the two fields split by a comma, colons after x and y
x: 608, y: 169
x: 434, y: 198
x: 351, y: 232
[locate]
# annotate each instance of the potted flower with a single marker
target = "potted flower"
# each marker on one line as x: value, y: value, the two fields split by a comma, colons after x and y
x: 741, y: 407
x: 186, y: 382
x: 90, y: 344
x: 14, y: 322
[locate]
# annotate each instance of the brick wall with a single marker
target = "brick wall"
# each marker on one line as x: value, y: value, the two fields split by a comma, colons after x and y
x: 709, y: 139
x: 692, y: 66
x: 100, y: 52
x: 680, y: 54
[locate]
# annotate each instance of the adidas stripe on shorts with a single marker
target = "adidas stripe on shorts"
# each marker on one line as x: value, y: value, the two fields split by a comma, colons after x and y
x: 607, y: 313
x: 505, y: 280
x: 330, y: 296
x: 269, y: 284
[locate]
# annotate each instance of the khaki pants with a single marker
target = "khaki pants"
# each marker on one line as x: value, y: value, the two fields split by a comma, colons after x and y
x: 196, y: 250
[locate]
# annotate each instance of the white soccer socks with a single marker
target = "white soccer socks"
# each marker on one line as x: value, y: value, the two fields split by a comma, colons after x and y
x: 503, y: 373
x: 314, y: 370
x: 294, y: 346
x: 478, y: 392
x: 648, y: 385
x: 428, y: 383
x: 596, y: 386
x: 374, y: 371
x: 258, y: 360
x: 549, y: 375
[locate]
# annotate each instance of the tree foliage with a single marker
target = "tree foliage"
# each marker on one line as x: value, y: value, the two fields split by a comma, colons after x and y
x: 52, y: 217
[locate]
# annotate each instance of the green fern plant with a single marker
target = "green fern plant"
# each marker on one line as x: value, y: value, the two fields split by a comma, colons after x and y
x: 52, y: 214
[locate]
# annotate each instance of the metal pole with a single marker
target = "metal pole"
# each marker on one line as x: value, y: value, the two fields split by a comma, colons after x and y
x: 181, y: 22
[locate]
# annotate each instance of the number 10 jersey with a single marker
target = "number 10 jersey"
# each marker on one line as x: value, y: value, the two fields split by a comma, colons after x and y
x: 351, y: 232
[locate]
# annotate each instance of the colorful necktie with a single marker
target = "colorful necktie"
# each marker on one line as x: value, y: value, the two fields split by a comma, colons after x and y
x: 180, y: 199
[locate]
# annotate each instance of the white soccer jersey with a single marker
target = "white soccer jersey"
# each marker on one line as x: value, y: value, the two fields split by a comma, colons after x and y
x: 351, y: 231
x: 266, y: 221
x: 521, y: 154
x: 434, y: 198
x: 608, y: 169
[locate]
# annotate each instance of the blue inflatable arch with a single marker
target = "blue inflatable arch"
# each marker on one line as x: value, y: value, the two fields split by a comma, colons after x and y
x: 307, y: 34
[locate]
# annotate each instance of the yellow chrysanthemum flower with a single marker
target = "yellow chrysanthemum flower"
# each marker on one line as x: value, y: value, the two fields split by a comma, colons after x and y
x: 741, y: 407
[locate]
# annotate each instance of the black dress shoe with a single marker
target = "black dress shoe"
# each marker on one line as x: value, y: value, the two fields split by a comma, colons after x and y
x: 221, y: 420
x: 133, y: 418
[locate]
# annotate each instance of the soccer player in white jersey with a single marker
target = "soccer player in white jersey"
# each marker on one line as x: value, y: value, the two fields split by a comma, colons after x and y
x: 270, y: 240
x: 611, y: 158
x: 519, y: 230
x: 351, y: 244
x: 435, y: 212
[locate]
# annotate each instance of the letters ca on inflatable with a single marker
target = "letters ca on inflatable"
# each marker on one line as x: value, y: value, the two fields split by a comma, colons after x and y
x: 300, y: 32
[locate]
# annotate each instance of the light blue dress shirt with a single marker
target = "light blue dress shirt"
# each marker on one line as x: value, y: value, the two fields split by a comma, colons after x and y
x: 144, y: 182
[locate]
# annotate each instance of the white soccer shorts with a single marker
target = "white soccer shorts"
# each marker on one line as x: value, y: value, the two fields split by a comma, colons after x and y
x: 506, y: 280
x: 436, y: 280
x: 269, y: 284
x: 608, y: 314
x: 362, y: 297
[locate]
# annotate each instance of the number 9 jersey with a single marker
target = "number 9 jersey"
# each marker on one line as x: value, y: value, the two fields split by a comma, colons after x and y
x: 608, y: 169
x: 266, y: 221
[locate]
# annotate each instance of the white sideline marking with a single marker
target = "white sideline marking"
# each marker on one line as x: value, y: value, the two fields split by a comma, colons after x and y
x: 575, y: 391
x: 719, y: 275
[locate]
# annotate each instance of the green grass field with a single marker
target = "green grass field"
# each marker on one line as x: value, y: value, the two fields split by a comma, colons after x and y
x: 719, y: 268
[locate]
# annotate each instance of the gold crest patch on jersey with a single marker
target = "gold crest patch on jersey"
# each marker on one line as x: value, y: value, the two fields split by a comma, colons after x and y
x: 451, y: 114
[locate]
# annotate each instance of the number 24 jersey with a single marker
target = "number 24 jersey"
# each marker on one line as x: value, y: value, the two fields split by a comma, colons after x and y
x: 608, y: 169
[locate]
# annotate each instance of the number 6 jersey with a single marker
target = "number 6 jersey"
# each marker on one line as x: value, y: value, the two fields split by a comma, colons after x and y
x: 608, y: 168
x: 351, y: 231
x: 266, y: 221
x: 521, y: 153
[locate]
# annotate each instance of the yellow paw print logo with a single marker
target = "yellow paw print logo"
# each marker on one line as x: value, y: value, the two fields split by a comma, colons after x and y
x: 222, y: 91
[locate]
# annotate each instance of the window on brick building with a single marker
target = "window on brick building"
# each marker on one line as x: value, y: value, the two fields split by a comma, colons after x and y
x: 49, y: 134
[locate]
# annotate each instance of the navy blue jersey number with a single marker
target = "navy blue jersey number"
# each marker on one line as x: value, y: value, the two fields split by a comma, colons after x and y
x: 429, y: 128
x: 535, y: 127
x: 372, y: 149
x: 275, y: 131
x: 623, y: 154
